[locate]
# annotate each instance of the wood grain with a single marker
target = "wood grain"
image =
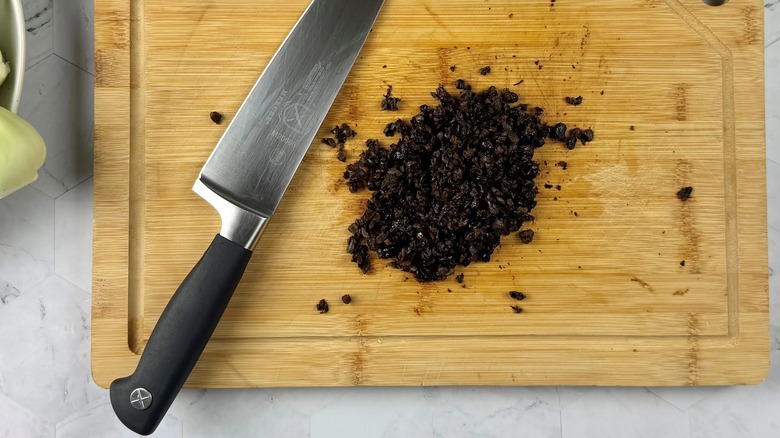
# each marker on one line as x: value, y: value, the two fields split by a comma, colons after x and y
x: 673, y: 89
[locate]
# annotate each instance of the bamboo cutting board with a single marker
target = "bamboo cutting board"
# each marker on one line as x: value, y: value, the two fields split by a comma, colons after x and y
x: 672, y: 88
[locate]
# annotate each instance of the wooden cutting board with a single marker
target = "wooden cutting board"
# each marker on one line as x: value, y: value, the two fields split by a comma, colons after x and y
x: 672, y: 88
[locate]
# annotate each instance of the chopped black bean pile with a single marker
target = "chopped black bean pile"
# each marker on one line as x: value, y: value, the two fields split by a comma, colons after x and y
x: 526, y: 236
x: 346, y: 299
x: 685, y: 193
x: 322, y: 306
x: 216, y: 117
x: 390, y: 103
x: 519, y: 296
x: 574, y: 100
x: 460, y: 177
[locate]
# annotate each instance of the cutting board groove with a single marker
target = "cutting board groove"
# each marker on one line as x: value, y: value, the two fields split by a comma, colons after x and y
x: 673, y: 89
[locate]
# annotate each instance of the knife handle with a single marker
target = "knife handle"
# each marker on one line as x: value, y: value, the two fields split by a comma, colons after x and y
x: 177, y: 341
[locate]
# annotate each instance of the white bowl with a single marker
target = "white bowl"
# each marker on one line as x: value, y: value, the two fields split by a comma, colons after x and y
x: 12, y: 44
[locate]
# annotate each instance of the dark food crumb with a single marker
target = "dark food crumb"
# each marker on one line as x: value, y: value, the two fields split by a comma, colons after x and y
x: 453, y: 67
x: 631, y: 128
x: 586, y: 136
x: 342, y: 133
x: 216, y: 117
x: 526, y: 236
x: 342, y: 155
x: 558, y: 132
x: 685, y: 193
x: 460, y: 84
x: 517, y: 309
x: 390, y: 103
x: 460, y: 176
x: 484, y: 71
x: 682, y: 263
x: 346, y: 299
x: 322, y: 306
x: 459, y: 278
x: 331, y: 142
x: 563, y: 165
x: 574, y: 100
x: 548, y: 186
x: 519, y: 296
x: 519, y: 82
x: 558, y: 187
x: 390, y: 129
x: 384, y: 66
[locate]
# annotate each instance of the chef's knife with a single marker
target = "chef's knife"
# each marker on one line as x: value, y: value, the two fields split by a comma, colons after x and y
x: 244, y: 180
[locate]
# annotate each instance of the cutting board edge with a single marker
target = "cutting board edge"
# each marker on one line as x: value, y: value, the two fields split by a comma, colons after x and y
x: 116, y: 80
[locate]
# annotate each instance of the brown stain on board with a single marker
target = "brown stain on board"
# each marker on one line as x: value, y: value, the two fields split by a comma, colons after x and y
x: 693, y: 350
x: 444, y: 63
x: 358, y: 357
x: 353, y: 91
x: 423, y: 303
x: 753, y: 31
x: 690, y: 250
x: 681, y: 292
x: 643, y: 283
x: 681, y: 102
x: 585, y: 39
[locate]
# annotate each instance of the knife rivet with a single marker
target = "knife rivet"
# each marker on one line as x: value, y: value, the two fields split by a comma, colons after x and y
x: 140, y: 399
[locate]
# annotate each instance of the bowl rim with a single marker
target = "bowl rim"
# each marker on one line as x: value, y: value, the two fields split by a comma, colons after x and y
x: 18, y: 66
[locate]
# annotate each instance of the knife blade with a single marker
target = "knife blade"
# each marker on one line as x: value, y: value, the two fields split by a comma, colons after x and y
x: 244, y: 179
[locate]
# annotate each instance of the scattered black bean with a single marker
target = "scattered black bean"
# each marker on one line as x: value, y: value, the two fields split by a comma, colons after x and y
x: 342, y: 155
x: 517, y: 309
x: 342, y: 133
x: 563, y: 165
x: 346, y: 299
x: 390, y: 103
x: 331, y: 142
x: 526, y: 236
x: 586, y: 136
x: 322, y: 306
x: 682, y: 263
x: 459, y: 278
x: 390, y: 129
x: 484, y: 71
x: 685, y: 193
x: 574, y: 100
x: 558, y: 132
x: 216, y: 117
x: 519, y: 296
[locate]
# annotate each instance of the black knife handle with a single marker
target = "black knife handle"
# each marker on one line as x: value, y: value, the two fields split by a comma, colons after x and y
x: 179, y: 337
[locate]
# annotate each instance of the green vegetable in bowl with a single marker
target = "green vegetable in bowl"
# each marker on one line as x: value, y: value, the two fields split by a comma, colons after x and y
x: 22, y: 152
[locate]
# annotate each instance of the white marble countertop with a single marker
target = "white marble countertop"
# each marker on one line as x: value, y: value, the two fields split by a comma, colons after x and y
x: 45, y: 261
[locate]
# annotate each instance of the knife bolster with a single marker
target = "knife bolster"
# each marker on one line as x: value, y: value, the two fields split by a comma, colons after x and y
x: 240, y: 226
